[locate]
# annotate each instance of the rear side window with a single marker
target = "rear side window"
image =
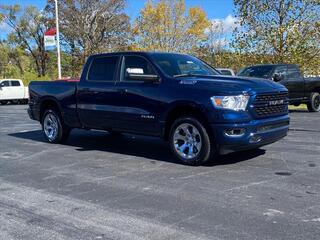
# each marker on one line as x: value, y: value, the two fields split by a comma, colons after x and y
x: 15, y: 83
x: 103, y: 69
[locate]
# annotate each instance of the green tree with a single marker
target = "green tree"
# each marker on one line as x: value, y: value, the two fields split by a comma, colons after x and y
x: 287, y: 30
x: 91, y: 26
x: 28, y: 26
x: 169, y: 26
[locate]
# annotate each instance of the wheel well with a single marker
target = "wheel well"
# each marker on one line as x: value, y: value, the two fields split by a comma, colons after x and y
x: 48, y: 104
x: 316, y: 90
x: 180, y: 111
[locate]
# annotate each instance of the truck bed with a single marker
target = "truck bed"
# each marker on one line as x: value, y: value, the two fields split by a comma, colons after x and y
x: 63, y: 92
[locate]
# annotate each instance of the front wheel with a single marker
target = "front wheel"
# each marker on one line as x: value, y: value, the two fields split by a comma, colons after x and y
x: 53, y: 127
x: 190, y: 141
x: 314, y: 104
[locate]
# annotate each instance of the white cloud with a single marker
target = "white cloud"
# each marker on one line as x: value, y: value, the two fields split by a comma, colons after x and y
x: 227, y: 24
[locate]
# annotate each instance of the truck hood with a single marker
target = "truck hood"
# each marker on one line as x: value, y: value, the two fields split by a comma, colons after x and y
x: 227, y: 84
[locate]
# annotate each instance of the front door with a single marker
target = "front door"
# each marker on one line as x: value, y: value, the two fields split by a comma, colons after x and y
x: 5, y: 92
x: 138, y: 101
x: 294, y: 82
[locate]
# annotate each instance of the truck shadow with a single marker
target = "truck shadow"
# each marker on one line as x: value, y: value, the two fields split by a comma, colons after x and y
x: 132, y: 145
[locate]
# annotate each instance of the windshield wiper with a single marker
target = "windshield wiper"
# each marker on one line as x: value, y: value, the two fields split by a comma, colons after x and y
x: 184, y: 75
x: 191, y: 75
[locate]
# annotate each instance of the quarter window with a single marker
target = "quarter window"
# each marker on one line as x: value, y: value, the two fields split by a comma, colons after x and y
x: 103, y: 69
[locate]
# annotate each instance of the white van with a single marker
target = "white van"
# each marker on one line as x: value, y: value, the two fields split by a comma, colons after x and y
x: 13, y: 90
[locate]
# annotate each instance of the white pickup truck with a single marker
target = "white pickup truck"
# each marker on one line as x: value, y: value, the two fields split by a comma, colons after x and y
x: 13, y: 90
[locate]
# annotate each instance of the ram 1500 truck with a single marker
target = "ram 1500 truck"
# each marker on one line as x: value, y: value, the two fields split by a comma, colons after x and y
x: 177, y: 97
x: 301, y: 90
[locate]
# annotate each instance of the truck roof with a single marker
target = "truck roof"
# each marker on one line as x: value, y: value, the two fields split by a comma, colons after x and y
x: 136, y: 52
x: 272, y: 65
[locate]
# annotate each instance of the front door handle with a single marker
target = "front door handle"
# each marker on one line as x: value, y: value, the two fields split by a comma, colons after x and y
x: 122, y: 91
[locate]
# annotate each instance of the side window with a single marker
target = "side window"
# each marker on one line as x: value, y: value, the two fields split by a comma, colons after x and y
x: 281, y: 71
x: 103, y: 69
x: 226, y: 72
x: 136, y: 65
x: 5, y: 84
x: 15, y: 83
x: 293, y: 72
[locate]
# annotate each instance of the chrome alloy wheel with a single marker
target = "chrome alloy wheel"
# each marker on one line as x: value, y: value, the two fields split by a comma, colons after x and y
x: 50, y: 126
x: 187, y: 141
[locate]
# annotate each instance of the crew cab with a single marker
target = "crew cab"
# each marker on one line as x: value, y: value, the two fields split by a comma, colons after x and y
x: 13, y: 90
x: 173, y: 96
x: 301, y: 89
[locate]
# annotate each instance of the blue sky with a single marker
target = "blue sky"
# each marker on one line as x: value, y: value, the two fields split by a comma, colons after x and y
x: 215, y: 9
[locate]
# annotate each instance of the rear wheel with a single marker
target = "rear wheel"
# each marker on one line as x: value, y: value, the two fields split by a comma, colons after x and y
x: 4, y: 102
x: 314, y: 104
x: 53, y: 127
x: 190, y: 141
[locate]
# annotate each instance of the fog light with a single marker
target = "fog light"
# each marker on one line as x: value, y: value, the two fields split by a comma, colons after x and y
x: 237, y: 132
x: 255, y: 139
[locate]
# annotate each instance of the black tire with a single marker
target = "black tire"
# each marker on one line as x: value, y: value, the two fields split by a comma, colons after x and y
x: 62, y: 131
x: 4, y: 102
x: 314, y: 104
x: 207, y: 150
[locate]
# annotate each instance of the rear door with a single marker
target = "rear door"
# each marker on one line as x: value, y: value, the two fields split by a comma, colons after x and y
x: 138, y: 101
x: 96, y: 93
x: 17, y: 89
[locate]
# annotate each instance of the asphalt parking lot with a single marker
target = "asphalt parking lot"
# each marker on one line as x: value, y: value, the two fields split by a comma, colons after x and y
x: 129, y: 187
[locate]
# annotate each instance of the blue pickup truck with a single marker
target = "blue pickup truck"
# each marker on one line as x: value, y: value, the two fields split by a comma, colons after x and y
x: 173, y: 96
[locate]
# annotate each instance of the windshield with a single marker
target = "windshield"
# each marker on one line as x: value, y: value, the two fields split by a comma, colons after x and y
x: 176, y: 65
x: 256, y: 71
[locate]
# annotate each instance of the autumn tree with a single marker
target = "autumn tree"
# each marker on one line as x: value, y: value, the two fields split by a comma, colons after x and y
x: 286, y: 30
x: 167, y: 25
x: 28, y: 26
x: 91, y: 26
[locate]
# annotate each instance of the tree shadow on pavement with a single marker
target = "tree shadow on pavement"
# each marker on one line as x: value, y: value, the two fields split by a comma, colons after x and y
x: 140, y: 146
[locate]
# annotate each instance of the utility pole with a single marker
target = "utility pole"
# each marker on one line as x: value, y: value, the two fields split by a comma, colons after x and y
x: 58, y: 39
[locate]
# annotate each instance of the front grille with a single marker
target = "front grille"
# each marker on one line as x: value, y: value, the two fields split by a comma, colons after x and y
x: 270, y: 104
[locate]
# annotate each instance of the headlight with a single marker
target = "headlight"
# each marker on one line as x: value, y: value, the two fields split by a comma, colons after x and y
x: 236, y: 103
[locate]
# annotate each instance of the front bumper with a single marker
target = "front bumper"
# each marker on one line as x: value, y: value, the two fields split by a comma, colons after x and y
x: 256, y: 133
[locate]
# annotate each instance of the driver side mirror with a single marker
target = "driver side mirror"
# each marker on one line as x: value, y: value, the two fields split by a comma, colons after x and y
x: 138, y: 74
x: 277, y: 77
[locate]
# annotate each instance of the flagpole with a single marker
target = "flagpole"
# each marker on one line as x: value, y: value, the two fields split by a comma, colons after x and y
x: 58, y: 39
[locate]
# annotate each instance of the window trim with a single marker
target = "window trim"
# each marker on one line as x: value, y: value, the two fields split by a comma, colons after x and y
x: 121, y: 76
x: 115, y: 73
